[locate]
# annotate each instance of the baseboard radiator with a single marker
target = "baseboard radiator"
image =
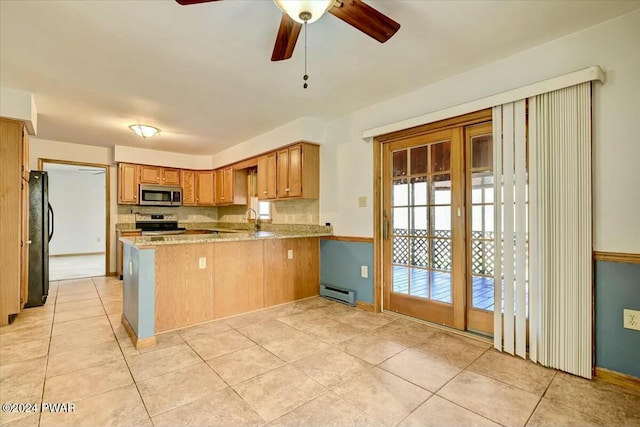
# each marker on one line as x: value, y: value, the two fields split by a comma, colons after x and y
x: 335, y: 293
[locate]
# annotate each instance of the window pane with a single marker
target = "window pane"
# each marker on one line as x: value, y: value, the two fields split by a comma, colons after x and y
x: 482, y: 151
x: 419, y: 160
x: 419, y: 190
x: 264, y: 210
x: 442, y: 189
x: 400, y: 192
x: 441, y: 219
x: 400, y: 279
x: 420, y: 221
x: 400, y: 221
x: 440, y: 157
x: 400, y: 163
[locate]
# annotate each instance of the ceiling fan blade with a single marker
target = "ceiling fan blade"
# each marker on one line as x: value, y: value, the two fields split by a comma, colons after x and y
x: 188, y: 2
x: 366, y: 19
x: 286, y: 38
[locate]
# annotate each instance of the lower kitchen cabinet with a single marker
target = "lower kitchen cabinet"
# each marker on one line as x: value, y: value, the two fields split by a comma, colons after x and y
x: 239, y: 277
x: 288, y: 279
x: 184, y: 292
x: 199, y: 282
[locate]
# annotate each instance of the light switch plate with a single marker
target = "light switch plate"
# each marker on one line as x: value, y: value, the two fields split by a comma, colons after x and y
x: 631, y: 319
x: 362, y: 201
x: 202, y: 263
x: 290, y: 254
x: 364, y: 271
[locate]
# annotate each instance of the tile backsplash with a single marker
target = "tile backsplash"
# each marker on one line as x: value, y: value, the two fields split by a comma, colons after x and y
x: 126, y: 213
x: 282, y: 212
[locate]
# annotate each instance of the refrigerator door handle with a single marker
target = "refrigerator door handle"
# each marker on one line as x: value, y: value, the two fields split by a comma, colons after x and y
x: 51, y: 221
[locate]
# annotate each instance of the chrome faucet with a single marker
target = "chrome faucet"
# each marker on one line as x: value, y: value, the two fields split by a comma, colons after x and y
x: 246, y: 216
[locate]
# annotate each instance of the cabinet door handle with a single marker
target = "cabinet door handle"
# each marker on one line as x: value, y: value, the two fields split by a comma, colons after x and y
x: 287, y: 189
x: 265, y: 192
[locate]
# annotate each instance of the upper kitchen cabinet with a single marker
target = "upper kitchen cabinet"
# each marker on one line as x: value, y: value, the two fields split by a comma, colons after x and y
x: 188, y: 179
x: 267, y: 177
x: 298, y: 172
x: 127, y: 184
x: 149, y: 174
x: 159, y: 175
x: 14, y: 211
x: 231, y: 186
x: 205, y: 188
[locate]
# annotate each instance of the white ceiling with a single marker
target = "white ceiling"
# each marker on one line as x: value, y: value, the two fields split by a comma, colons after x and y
x: 203, y: 75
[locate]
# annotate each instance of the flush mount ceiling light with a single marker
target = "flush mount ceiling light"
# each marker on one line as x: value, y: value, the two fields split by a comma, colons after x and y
x: 304, y: 10
x: 144, y: 130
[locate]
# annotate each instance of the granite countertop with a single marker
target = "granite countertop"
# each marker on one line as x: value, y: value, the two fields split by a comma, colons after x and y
x: 177, y: 239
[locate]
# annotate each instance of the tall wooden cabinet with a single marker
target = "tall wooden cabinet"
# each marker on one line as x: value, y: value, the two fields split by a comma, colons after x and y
x: 127, y: 184
x: 205, y: 188
x: 267, y: 174
x: 188, y: 179
x: 231, y: 186
x: 298, y: 169
x: 14, y: 215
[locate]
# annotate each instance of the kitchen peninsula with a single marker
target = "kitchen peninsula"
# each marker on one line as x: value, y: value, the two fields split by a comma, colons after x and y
x: 176, y: 281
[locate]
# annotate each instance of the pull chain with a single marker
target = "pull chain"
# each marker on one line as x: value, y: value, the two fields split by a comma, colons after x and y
x: 306, y: 76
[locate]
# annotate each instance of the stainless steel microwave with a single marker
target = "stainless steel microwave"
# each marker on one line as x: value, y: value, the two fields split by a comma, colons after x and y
x: 160, y: 195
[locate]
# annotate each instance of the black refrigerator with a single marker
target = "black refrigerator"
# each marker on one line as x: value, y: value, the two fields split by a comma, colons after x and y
x: 40, y: 234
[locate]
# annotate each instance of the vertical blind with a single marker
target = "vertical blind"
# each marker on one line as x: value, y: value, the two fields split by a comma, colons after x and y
x: 544, y: 215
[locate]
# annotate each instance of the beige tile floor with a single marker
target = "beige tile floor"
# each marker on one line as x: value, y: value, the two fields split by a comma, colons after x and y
x: 309, y: 363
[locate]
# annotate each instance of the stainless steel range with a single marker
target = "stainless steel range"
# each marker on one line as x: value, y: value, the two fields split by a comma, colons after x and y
x: 158, y: 224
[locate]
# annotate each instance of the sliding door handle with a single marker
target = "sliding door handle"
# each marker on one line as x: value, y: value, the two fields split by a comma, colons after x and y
x: 385, y: 226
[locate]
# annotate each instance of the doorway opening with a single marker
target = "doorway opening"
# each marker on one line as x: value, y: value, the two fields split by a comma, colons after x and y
x: 434, y: 220
x: 79, y: 196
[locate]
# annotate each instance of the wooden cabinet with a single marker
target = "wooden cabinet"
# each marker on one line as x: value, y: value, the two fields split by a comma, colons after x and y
x: 119, y: 248
x: 291, y: 279
x: 298, y: 172
x: 14, y: 211
x: 231, y: 186
x: 149, y: 174
x: 267, y: 174
x: 159, y: 175
x: 205, y: 188
x: 183, y: 291
x: 188, y: 179
x: 127, y: 184
x: 170, y: 176
x: 238, y: 278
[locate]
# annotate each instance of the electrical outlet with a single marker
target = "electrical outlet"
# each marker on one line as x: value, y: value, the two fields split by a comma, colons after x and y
x: 364, y: 271
x: 290, y: 254
x: 202, y: 263
x: 362, y: 201
x: 631, y: 319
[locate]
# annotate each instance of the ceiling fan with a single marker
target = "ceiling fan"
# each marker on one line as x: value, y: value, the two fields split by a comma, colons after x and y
x: 298, y: 12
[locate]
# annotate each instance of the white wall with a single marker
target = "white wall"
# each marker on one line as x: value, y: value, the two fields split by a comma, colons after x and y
x: 56, y: 150
x: 306, y: 128
x: 19, y: 105
x: 347, y: 161
x: 145, y: 156
x: 78, y: 202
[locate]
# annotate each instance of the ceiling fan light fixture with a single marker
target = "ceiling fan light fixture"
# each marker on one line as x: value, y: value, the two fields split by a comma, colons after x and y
x: 144, y: 131
x: 304, y: 10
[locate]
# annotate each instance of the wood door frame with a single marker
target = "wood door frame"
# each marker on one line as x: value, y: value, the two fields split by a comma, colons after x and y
x: 378, y: 205
x: 107, y: 261
x: 485, y: 321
